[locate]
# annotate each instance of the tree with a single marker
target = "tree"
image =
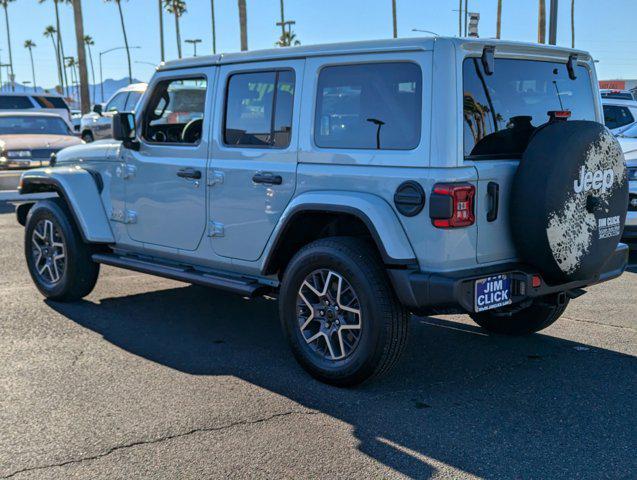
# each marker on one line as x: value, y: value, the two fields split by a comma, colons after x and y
x: 498, y: 28
x: 5, y: 5
x: 572, y: 23
x: 243, y: 24
x: 29, y: 45
x: 60, y: 45
x: 541, y: 22
x: 51, y: 32
x: 89, y: 42
x: 85, y: 100
x: 287, y: 39
x: 177, y: 8
x: 121, y: 19
x: 393, y: 12
x: 161, y: 29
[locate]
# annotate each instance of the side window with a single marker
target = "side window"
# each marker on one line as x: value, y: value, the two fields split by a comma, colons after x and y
x: 616, y: 116
x: 51, y: 102
x: 369, y: 106
x: 117, y: 103
x: 259, y: 109
x: 15, y: 102
x: 175, y: 112
x: 131, y: 103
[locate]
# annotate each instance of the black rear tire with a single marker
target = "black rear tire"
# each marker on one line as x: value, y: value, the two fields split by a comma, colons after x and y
x: 77, y: 273
x: 88, y: 137
x: 384, y: 322
x: 534, y: 318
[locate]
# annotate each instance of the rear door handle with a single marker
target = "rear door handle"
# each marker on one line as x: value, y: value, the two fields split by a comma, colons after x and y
x: 493, y: 193
x: 267, y: 177
x: 189, y: 173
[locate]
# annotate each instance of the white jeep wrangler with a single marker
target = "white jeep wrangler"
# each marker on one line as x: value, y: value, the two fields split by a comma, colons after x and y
x: 358, y: 183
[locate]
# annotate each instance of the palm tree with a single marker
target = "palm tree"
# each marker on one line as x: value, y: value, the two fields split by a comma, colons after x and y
x: 572, y: 23
x: 498, y: 28
x: 214, y: 32
x: 541, y: 23
x: 287, y: 39
x: 51, y: 32
x: 29, y: 44
x: 89, y: 42
x: 177, y: 8
x: 5, y: 4
x: 121, y: 18
x: 60, y: 45
x: 243, y: 24
x: 161, y: 29
x: 393, y: 11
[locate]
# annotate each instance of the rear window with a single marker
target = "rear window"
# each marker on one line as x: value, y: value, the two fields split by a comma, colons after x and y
x: 618, y: 95
x: 14, y: 102
x: 616, y: 116
x: 369, y: 106
x: 502, y: 110
x: 51, y: 102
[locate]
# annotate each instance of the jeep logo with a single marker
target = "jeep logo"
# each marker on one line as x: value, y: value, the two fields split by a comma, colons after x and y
x: 599, y: 179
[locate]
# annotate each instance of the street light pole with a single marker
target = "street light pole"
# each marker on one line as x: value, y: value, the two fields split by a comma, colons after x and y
x: 194, y: 42
x: 104, y: 52
x: 553, y: 23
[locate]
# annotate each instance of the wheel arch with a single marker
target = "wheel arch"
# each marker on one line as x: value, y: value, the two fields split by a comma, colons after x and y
x: 317, y: 215
x: 80, y: 189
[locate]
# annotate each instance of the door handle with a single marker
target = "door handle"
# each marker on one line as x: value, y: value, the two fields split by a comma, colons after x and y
x: 267, y: 177
x: 493, y: 192
x: 189, y: 173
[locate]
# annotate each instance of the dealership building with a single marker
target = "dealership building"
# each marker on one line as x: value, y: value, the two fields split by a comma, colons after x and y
x: 618, y: 84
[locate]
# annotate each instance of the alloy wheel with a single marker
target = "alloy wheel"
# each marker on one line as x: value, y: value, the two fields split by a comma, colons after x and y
x: 49, y: 252
x: 329, y: 314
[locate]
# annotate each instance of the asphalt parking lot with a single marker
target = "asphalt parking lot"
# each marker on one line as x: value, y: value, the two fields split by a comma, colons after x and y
x: 156, y: 379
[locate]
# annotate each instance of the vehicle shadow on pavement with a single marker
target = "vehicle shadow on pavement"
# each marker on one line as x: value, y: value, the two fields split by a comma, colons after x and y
x: 492, y: 406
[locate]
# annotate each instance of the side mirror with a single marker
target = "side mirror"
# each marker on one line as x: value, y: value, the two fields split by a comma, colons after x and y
x: 97, y: 108
x: 124, y: 130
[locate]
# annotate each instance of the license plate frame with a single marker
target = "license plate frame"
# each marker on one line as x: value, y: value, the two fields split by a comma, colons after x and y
x: 492, y: 292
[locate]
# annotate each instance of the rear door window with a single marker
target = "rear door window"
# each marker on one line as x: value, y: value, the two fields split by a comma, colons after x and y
x: 259, y: 109
x: 501, y: 111
x: 15, y: 102
x: 51, y: 102
x: 376, y: 106
x: 616, y: 116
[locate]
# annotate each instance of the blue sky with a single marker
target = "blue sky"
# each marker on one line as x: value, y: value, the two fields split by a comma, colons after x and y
x: 607, y: 29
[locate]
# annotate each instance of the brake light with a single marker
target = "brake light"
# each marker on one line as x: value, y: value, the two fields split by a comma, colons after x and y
x: 451, y: 205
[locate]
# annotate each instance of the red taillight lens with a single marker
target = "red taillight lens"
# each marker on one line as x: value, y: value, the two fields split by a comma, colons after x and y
x: 453, y: 205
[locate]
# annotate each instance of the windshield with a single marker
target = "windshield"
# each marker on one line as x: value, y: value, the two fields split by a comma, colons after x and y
x: 502, y: 110
x: 23, y: 125
x: 631, y: 131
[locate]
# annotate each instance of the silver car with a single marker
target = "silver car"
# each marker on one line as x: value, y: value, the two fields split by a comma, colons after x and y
x: 628, y: 140
x: 96, y: 125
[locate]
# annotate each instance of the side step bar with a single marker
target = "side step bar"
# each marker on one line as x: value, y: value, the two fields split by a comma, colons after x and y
x: 242, y: 286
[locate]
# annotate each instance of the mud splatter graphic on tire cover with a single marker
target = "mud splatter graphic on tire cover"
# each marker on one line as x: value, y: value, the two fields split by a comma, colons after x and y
x: 571, y: 230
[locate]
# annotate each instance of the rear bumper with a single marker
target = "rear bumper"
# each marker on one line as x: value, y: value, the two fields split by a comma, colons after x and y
x: 420, y: 291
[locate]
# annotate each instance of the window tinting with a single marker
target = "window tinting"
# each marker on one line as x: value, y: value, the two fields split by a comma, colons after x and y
x: 370, y: 106
x: 259, y: 109
x: 131, y: 102
x: 175, y: 112
x: 502, y: 110
x: 51, y: 102
x: 117, y: 103
x: 14, y: 102
x: 616, y: 116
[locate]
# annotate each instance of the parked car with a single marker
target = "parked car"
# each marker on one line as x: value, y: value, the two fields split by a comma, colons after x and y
x: 96, y: 125
x: 76, y: 120
x: 619, y: 113
x: 628, y: 140
x: 357, y: 183
x: 618, y: 94
x: 38, y: 102
x: 28, y: 140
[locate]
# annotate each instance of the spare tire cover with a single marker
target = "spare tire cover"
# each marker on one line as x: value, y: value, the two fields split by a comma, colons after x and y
x: 569, y: 200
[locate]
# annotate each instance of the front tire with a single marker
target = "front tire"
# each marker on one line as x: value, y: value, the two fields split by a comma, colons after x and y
x: 59, y: 261
x: 538, y: 316
x: 340, y: 313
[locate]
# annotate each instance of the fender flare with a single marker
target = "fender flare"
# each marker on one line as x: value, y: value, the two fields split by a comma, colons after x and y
x: 379, y: 217
x: 80, y: 189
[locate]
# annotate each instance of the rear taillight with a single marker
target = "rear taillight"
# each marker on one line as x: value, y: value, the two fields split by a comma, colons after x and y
x: 451, y: 205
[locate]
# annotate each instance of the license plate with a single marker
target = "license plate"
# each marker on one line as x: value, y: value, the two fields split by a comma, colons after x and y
x: 492, y: 292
